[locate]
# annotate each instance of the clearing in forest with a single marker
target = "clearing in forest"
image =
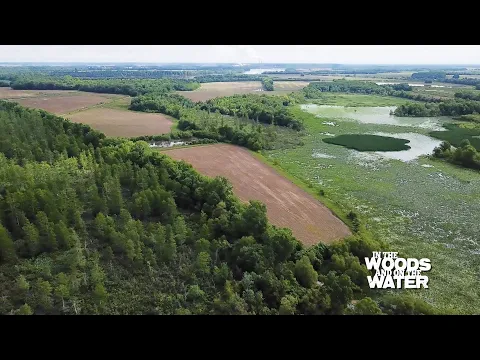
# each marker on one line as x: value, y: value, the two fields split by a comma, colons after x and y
x: 212, y: 90
x: 287, y: 205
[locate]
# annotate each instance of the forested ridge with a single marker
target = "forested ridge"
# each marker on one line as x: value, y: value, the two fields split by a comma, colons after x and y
x: 117, y: 228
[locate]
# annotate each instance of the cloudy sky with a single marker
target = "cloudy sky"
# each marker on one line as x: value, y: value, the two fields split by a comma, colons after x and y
x: 346, y: 54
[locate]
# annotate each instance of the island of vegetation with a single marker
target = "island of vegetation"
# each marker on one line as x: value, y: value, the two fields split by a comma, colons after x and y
x: 365, y: 142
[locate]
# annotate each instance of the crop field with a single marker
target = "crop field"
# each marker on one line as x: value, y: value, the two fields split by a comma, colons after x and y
x: 289, y: 85
x: 287, y: 205
x: 209, y: 91
x: 115, y: 122
x: 420, y: 206
x: 9, y: 93
x: 57, y: 101
x: 63, y: 104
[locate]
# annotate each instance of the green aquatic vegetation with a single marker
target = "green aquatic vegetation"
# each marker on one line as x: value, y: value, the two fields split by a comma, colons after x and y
x: 456, y: 134
x: 362, y: 142
x: 357, y: 100
x: 422, y: 208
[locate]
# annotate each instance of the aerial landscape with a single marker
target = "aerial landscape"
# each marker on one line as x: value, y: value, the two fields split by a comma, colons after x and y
x: 240, y: 187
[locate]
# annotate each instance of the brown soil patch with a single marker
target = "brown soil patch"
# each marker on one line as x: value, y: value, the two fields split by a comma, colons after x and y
x: 63, y: 104
x: 212, y: 90
x: 9, y: 93
x: 113, y: 122
x: 287, y: 204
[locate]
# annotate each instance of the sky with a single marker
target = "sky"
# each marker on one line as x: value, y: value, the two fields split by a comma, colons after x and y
x: 342, y: 54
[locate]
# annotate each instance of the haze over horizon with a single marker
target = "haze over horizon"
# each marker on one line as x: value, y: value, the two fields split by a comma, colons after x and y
x: 318, y: 54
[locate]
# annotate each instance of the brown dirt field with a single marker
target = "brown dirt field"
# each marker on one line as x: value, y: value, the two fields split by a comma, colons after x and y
x: 287, y: 204
x: 9, y: 93
x: 212, y: 90
x: 63, y: 104
x: 113, y: 122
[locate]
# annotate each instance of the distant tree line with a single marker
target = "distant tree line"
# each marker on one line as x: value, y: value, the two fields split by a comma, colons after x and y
x: 131, y: 87
x: 315, y: 89
x: 463, y: 81
x: 441, y: 76
x: 430, y: 75
x: 228, y: 78
x: 4, y: 83
x: 124, y: 74
x: 451, y: 107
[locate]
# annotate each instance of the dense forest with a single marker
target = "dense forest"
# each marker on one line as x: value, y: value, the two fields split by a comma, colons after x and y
x: 204, y: 124
x: 246, y: 120
x: 465, y: 155
x: 315, y: 89
x: 4, y: 83
x: 468, y: 95
x: 118, y: 228
x: 261, y: 108
x: 131, y: 87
